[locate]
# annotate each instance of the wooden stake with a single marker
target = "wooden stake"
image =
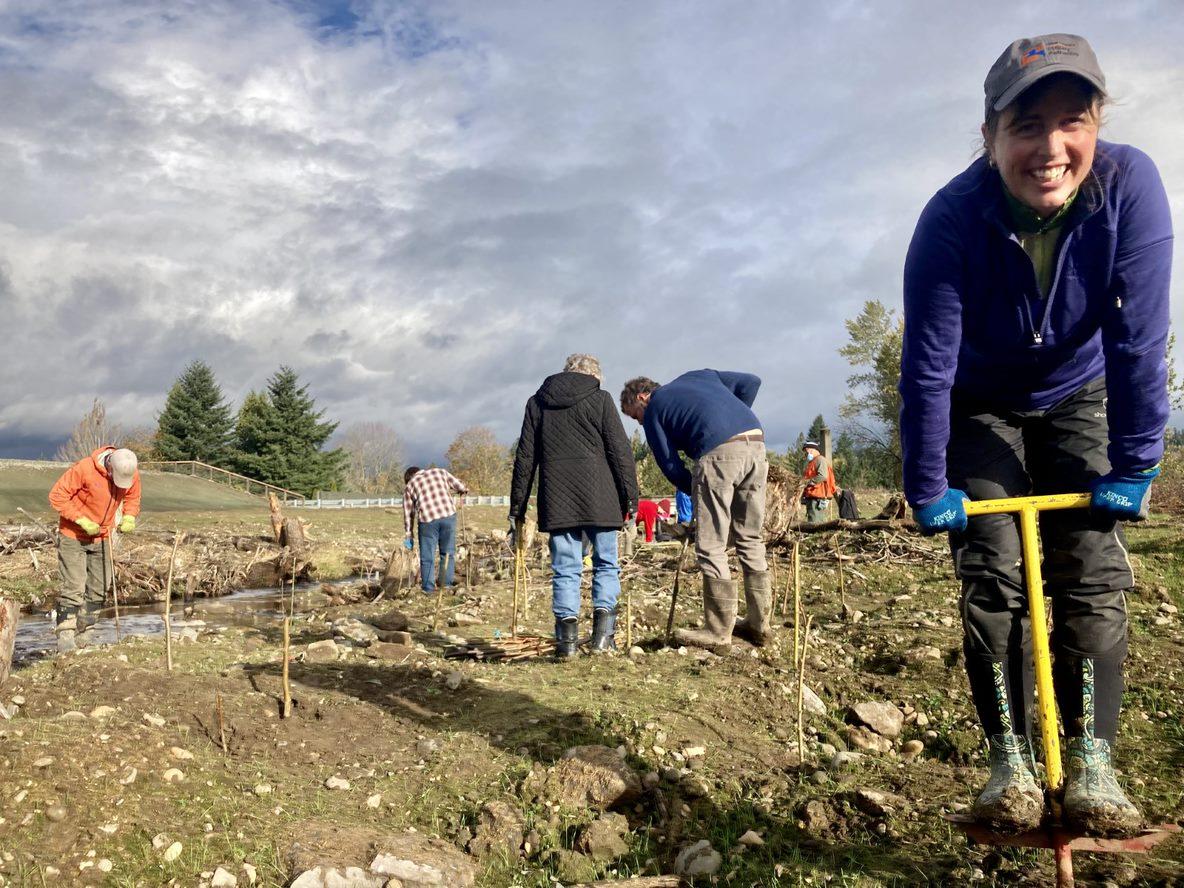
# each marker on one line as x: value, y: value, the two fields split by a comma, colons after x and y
x: 110, y: 555
x: 221, y: 722
x: 801, y: 691
x: 519, y: 570
x: 842, y: 579
x: 469, y: 569
x: 439, y: 601
x: 287, y: 710
x: 674, y: 591
x: 628, y: 616
x: 292, y: 600
x: 797, y: 601
x: 168, y: 604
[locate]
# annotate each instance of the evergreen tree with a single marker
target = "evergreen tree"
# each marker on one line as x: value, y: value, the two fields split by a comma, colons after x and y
x: 279, y: 436
x: 196, y: 422
x: 816, y: 427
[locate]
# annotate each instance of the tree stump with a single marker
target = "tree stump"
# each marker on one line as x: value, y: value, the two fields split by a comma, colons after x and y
x: 8, y: 620
x: 277, y: 517
x: 292, y: 534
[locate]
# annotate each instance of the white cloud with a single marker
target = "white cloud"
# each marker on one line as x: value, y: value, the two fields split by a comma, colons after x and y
x: 425, y: 213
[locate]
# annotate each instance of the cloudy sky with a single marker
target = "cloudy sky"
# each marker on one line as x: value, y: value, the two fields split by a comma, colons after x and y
x: 424, y: 207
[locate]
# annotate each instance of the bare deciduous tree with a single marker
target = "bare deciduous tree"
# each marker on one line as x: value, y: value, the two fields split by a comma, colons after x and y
x: 476, y: 457
x: 375, y: 458
x: 92, y: 432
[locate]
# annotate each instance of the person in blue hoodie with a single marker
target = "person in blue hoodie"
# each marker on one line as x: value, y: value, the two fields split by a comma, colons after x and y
x: 707, y: 414
x: 1036, y: 322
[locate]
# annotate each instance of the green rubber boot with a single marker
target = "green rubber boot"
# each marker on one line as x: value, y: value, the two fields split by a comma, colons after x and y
x: 758, y: 597
x: 1011, y: 802
x: 719, y: 616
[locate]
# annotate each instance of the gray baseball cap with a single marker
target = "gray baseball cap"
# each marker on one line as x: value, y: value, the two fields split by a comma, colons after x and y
x: 122, y: 465
x: 1030, y: 59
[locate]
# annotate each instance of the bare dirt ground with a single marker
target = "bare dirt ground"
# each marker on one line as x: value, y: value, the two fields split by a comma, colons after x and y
x: 108, y: 761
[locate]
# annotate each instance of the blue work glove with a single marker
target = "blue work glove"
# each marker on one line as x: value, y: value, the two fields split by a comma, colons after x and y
x: 408, y: 543
x: 1122, y: 496
x: 947, y: 512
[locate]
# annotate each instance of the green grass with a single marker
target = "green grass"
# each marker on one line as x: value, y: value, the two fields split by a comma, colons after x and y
x: 26, y: 486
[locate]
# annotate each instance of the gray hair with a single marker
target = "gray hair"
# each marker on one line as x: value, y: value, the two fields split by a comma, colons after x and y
x: 580, y: 363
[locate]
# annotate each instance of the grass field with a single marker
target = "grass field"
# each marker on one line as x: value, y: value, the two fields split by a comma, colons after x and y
x: 26, y: 485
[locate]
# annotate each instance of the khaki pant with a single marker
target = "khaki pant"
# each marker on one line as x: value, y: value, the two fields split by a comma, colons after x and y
x: 81, y: 568
x: 817, y: 510
x: 729, y: 496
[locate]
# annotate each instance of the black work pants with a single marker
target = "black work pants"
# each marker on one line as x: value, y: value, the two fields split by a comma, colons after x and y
x: 1006, y: 453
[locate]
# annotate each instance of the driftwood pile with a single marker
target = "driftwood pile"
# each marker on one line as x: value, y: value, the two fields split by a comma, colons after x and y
x: 524, y: 647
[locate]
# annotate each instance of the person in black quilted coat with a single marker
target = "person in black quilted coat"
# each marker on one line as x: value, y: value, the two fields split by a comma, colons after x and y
x: 573, y: 435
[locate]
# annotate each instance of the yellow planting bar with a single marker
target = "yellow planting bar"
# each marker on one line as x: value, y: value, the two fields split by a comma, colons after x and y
x: 1028, y: 507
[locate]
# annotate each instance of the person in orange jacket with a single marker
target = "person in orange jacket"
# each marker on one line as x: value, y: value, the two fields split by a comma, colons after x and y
x: 819, y: 486
x: 93, y: 497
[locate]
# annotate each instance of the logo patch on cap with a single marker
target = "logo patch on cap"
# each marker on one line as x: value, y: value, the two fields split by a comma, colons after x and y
x: 1036, y: 52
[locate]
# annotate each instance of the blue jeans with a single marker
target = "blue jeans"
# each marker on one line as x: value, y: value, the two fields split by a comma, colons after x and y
x: 439, y: 534
x: 567, y: 563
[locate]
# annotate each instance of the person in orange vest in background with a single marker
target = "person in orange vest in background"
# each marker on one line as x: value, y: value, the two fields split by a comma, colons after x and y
x: 92, y: 498
x: 820, y: 484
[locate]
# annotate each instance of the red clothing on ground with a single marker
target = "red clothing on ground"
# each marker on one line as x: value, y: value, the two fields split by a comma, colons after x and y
x: 647, y: 514
x: 86, y: 490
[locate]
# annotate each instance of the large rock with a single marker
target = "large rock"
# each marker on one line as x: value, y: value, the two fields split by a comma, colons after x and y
x: 355, y: 630
x: 391, y: 621
x: 699, y: 859
x: 604, y: 838
x: 866, y: 740
x: 325, y: 651
x: 500, y: 828
x: 883, y: 718
x: 382, y: 650
x: 370, y: 856
x: 811, y: 702
x: 592, y: 777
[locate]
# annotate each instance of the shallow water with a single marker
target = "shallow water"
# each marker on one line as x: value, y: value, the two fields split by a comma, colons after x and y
x: 249, y: 607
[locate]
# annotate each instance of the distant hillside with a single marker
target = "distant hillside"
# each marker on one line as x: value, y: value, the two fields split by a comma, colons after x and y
x: 26, y: 484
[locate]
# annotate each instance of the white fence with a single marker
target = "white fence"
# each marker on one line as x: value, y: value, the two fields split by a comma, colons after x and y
x: 375, y: 502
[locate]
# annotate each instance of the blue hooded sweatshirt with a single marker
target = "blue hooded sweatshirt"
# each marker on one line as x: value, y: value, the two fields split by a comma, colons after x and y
x: 975, y: 320
x: 696, y: 413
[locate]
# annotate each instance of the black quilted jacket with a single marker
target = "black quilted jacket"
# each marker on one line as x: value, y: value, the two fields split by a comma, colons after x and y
x: 573, y: 435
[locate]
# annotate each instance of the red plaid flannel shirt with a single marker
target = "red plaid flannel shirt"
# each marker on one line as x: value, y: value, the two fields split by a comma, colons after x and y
x: 428, y: 495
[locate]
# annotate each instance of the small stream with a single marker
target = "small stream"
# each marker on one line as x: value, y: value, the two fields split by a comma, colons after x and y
x: 248, y: 607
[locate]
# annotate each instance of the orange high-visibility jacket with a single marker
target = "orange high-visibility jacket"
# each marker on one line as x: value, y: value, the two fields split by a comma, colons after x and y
x: 86, y: 490
x: 825, y: 489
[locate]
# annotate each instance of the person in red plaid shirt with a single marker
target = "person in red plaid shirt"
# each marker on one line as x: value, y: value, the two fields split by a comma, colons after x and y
x: 430, y: 497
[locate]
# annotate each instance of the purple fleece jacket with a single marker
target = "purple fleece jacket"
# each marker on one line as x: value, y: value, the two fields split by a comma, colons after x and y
x: 975, y: 320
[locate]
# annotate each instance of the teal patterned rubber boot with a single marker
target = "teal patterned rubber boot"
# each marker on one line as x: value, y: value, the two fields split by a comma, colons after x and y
x: 1011, y: 802
x: 1094, y: 802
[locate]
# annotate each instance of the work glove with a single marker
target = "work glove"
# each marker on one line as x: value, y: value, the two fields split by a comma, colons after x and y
x: 408, y: 543
x: 90, y: 528
x: 128, y: 524
x: 1122, y: 496
x: 945, y: 513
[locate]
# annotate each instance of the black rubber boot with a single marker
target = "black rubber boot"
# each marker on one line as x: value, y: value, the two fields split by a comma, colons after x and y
x: 566, y: 638
x: 604, y: 627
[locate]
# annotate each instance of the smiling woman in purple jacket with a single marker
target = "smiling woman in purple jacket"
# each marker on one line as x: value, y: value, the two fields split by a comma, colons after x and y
x: 1036, y: 321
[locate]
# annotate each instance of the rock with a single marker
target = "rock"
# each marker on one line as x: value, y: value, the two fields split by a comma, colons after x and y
x: 591, y: 777
x: 572, y: 866
x: 129, y: 776
x: 921, y: 654
x: 155, y: 720
x: 811, y: 702
x: 100, y: 712
x: 817, y: 817
x: 876, y: 803
x: 751, y: 839
x: 160, y: 841
x: 178, y: 753
x: 355, y: 630
x: 104, y: 865
x: 374, y: 801
x: 413, y: 859
x: 427, y: 748
x: 56, y: 813
x: 462, y: 619
x: 188, y: 635
x: 173, y: 775
x: 250, y: 873
x: 699, y: 859
x: 911, y: 749
x: 335, y: 877
x: 223, y: 879
x: 262, y: 789
x: 454, y: 680
x: 44, y: 762
x: 325, y: 651
x: 336, y: 782
x: 636, y: 652
x: 73, y: 716
x: 604, y: 838
x: 865, y: 740
x: 392, y: 621
x: 500, y: 826
x: 883, y: 718
x: 172, y: 852
x: 650, y: 780
x: 382, y: 650
x: 403, y: 638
